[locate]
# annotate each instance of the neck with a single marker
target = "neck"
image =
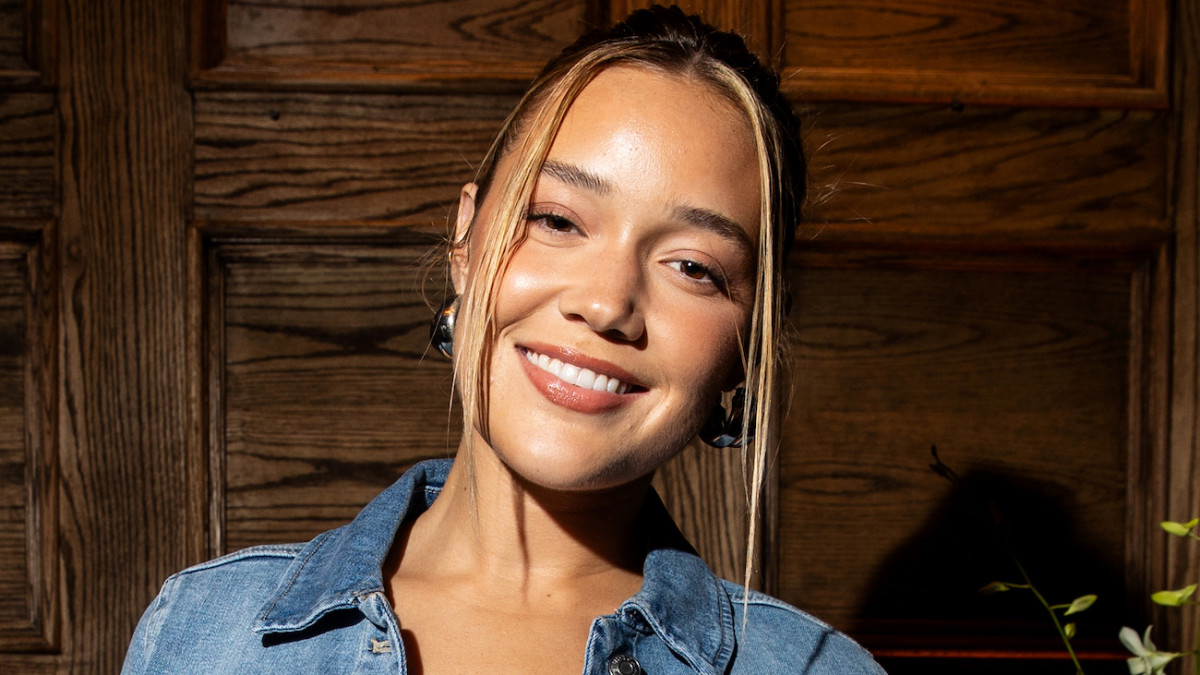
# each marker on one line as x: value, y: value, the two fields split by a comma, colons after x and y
x: 491, y: 529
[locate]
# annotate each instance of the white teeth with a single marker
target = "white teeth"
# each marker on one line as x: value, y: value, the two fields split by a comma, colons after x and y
x: 580, y: 377
x: 586, y: 379
x: 569, y: 373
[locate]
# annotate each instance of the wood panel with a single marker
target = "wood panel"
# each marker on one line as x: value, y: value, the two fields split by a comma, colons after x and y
x: 343, y: 44
x: 27, y: 42
x: 1074, y: 52
x: 1021, y: 379
x: 328, y: 389
x: 28, y: 554
x: 1181, y: 475
x: 125, y: 186
x: 996, y: 175
x: 27, y: 151
x: 12, y: 36
x: 313, y: 156
x: 16, y: 611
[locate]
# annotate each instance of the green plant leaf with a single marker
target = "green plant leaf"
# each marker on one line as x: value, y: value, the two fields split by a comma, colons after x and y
x: 1079, y: 604
x: 1179, y: 529
x: 995, y: 587
x: 1069, y: 630
x: 1174, y: 598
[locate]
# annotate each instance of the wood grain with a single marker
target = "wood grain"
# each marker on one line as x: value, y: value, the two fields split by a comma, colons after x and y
x: 757, y: 21
x: 994, y: 175
x: 27, y: 39
x: 1077, y: 52
x: 704, y: 490
x: 392, y: 43
x: 12, y: 35
x: 330, y: 389
x: 16, y: 610
x: 317, y: 156
x: 29, y: 589
x: 125, y: 120
x: 1020, y: 379
x: 27, y: 152
x: 1181, y: 483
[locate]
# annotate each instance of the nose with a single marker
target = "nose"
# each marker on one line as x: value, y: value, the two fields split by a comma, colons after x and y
x: 608, y: 298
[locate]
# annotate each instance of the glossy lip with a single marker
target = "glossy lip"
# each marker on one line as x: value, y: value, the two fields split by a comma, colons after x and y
x: 575, y: 398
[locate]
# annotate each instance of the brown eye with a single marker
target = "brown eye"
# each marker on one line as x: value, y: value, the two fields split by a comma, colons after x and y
x: 551, y: 222
x: 699, y: 273
x: 693, y: 269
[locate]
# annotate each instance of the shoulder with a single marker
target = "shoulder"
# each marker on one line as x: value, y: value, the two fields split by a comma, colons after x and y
x: 255, y: 556
x: 247, y: 575
x: 778, y: 638
x: 205, y: 608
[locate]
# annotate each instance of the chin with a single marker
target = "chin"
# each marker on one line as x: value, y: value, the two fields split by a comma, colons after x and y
x: 546, y: 465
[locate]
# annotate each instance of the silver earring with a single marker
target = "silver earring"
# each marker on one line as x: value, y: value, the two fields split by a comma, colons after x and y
x: 441, y: 331
x: 724, y: 428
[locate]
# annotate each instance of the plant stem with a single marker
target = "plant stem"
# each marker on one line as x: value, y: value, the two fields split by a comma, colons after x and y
x: 1053, y: 617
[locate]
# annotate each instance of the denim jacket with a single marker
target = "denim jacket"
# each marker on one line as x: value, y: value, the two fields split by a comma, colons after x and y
x: 320, y: 607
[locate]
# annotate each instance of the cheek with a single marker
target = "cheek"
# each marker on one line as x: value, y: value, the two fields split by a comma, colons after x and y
x: 525, y: 284
x: 705, y: 347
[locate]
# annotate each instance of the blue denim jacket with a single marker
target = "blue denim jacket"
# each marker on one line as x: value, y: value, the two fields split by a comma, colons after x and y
x: 320, y: 607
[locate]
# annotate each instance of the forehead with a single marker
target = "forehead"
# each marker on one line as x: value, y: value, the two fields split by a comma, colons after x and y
x: 663, y: 136
x: 646, y: 98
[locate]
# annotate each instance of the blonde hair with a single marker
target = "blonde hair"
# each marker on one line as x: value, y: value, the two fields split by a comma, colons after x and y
x: 668, y: 41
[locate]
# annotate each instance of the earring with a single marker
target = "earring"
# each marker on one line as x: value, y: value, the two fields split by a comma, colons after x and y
x: 723, y: 429
x: 441, y: 331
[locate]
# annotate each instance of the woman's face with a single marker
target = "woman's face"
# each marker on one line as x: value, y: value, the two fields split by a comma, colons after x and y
x: 618, y: 317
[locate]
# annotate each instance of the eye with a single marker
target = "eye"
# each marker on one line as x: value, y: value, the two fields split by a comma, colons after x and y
x: 699, y: 272
x: 693, y: 269
x: 551, y: 222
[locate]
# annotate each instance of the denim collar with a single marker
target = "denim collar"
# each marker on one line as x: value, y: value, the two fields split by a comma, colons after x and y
x: 680, y: 600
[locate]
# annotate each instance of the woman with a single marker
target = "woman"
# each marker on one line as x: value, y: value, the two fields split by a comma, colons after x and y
x: 618, y: 268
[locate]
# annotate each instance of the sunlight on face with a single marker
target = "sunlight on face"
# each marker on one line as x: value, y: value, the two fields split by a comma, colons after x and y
x: 619, y: 317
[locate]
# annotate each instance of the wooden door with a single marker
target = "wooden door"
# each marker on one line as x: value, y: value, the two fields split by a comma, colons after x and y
x: 219, y: 225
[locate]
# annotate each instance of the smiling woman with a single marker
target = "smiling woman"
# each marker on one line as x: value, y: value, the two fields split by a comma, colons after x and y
x: 618, y: 266
x: 620, y: 273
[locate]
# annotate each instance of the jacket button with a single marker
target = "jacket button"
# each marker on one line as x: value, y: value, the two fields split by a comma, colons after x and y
x: 624, y: 664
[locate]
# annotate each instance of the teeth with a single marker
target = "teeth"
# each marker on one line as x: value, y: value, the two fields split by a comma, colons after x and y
x: 580, y: 377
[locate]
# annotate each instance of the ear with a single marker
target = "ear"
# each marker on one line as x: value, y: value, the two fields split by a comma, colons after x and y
x: 462, y: 229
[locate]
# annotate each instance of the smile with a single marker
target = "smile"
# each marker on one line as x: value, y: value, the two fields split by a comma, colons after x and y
x: 576, y: 375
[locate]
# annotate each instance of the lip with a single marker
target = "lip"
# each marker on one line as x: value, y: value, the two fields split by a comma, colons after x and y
x: 569, y: 396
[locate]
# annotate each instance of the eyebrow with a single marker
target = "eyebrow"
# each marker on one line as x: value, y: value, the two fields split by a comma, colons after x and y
x: 577, y: 177
x: 716, y: 223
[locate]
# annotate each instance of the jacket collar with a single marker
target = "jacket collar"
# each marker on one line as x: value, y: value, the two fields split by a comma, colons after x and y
x: 680, y: 599
x: 339, y: 568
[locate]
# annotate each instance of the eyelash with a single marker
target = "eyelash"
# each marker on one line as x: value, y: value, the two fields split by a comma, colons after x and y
x: 552, y: 222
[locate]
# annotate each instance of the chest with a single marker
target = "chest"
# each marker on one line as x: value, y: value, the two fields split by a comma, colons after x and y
x: 439, y: 642
x: 452, y: 630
